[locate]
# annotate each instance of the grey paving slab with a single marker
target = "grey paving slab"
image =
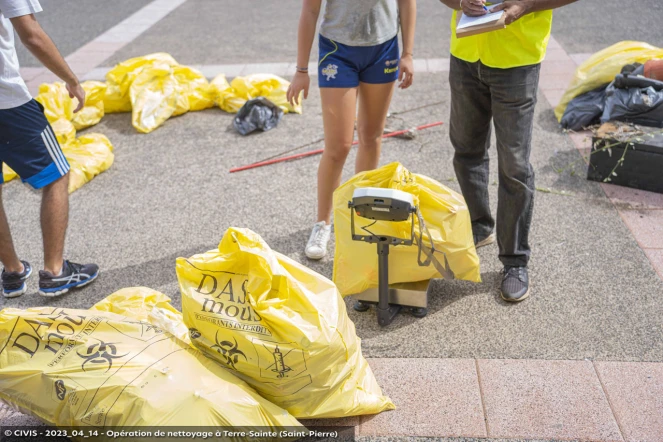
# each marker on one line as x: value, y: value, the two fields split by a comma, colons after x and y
x: 73, y: 23
x: 591, y: 25
x: 258, y: 31
x: 169, y: 194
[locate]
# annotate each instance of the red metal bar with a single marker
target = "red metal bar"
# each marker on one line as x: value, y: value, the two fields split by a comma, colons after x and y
x: 319, y: 151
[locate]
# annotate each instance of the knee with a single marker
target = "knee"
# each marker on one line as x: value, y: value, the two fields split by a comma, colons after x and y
x: 516, y: 173
x: 339, y: 151
x: 370, y: 137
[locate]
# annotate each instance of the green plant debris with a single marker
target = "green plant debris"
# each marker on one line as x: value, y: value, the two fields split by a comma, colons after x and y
x: 556, y: 192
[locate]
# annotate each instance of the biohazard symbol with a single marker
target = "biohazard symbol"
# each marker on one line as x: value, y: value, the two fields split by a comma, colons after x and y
x: 101, y: 353
x: 279, y: 366
x: 228, y: 351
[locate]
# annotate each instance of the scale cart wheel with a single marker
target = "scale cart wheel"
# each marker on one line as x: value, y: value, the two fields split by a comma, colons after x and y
x: 361, y: 307
x: 418, y: 312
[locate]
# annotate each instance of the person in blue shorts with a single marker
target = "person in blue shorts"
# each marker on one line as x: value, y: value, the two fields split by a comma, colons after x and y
x: 29, y: 147
x: 359, y: 63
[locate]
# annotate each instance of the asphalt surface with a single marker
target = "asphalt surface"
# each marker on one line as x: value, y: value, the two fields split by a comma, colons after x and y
x: 72, y: 23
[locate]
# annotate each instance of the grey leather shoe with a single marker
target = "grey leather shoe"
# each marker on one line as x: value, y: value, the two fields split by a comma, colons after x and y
x: 515, y: 284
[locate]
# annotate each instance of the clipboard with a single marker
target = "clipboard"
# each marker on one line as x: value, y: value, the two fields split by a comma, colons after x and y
x: 479, y: 29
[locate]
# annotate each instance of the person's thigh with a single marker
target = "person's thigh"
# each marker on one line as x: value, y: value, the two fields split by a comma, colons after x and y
x: 374, y: 100
x: 471, y: 111
x: 338, y: 117
x: 514, y: 97
x: 31, y: 148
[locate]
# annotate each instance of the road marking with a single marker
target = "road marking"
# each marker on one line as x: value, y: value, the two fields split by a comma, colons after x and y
x: 424, y: 65
x: 94, y: 53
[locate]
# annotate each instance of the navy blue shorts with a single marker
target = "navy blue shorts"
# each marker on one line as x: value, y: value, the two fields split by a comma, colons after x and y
x: 345, y: 66
x: 29, y: 146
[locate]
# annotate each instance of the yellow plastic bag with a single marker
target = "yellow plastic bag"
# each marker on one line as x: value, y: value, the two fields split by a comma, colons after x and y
x: 602, y: 67
x: 279, y: 326
x: 93, y: 368
x: 224, y: 95
x: 88, y: 156
x: 242, y: 89
x: 93, y: 111
x: 56, y: 101
x: 7, y: 173
x: 146, y: 305
x: 64, y: 131
x: 194, y: 90
x: 154, y: 95
x: 446, y: 216
x: 121, y: 77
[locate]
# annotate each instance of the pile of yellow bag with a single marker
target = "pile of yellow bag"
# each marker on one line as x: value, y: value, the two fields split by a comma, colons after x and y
x: 96, y: 368
x: 602, y: 67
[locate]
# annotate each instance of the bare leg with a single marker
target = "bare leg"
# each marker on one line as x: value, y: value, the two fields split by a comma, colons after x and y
x: 8, y: 255
x: 338, y: 115
x: 54, y: 219
x: 374, y: 102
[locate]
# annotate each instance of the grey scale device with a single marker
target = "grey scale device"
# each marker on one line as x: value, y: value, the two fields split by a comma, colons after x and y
x: 395, y: 206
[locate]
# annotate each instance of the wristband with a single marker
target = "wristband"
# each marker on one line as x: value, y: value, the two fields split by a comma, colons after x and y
x: 302, y: 70
x: 407, y: 53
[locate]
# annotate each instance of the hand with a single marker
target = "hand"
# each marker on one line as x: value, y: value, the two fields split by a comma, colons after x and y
x: 513, y: 10
x: 300, y: 82
x: 77, y: 91
x: 406, y: 71
x: 473, y: 8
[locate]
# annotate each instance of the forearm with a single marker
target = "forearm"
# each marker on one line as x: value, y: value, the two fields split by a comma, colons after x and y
x: 408, y: 16
x: 544, y: 5
x: 42, y: 47
x: 306, y: 31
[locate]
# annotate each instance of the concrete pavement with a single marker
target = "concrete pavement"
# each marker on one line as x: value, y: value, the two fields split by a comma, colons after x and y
x: 596, y: 294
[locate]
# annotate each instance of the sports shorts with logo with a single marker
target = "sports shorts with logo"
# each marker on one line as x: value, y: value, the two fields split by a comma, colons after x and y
x: 29, y: 146
x: 346, y: 66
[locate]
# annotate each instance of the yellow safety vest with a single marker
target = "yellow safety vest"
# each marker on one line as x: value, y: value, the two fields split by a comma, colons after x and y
x: 522, y: 43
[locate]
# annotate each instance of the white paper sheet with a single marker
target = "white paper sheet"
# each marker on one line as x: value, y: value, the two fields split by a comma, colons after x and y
x: 467, y: 22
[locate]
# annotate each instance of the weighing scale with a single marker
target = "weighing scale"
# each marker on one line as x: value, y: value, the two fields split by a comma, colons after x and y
x: 394, y: 206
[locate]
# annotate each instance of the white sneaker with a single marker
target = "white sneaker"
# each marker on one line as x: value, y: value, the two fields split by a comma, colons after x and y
x: 316, y: 248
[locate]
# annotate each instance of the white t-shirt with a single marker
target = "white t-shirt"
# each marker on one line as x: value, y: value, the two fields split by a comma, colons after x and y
x: 13, y: 91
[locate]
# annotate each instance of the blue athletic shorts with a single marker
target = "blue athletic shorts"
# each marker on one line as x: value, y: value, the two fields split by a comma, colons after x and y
x: 28, y: 145
x: 345, y: 66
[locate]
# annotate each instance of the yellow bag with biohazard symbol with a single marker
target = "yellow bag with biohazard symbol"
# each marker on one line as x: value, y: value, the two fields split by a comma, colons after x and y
x: 93, y: 111
x: 89, y: 368
x: 121, y: 77
x: 194, y: 90
x: 88, y: 155
x: 231, y: 97
x: 279, y: 326
x: 7, y: 173
x: 447, y: 219
x: 601, y: 68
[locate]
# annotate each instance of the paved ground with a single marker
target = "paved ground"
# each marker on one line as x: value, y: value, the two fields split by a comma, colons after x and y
x: 595, y: 293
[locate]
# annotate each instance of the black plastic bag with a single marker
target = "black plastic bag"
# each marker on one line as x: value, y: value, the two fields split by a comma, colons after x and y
x: 259, y: 113
x: 584, y: 110
x: 642, y: 106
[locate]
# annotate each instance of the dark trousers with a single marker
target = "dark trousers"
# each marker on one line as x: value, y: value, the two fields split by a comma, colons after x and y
x: 508, y: 97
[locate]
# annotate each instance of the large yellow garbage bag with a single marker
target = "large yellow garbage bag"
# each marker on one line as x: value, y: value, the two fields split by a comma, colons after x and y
x: 7, y: 173
x: 147, y: 305
x: 154, y: 95
x: 194, y: 90
x: 121, y: 77
x: 55, y: 99
x: 279, y: 326
x: 88, y: 155
x: 242, y: 89
x: 445, y: 214
x: 93, y: 111
x: 92, y: 368
x: 225, y: 96
x: 601, y: 68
